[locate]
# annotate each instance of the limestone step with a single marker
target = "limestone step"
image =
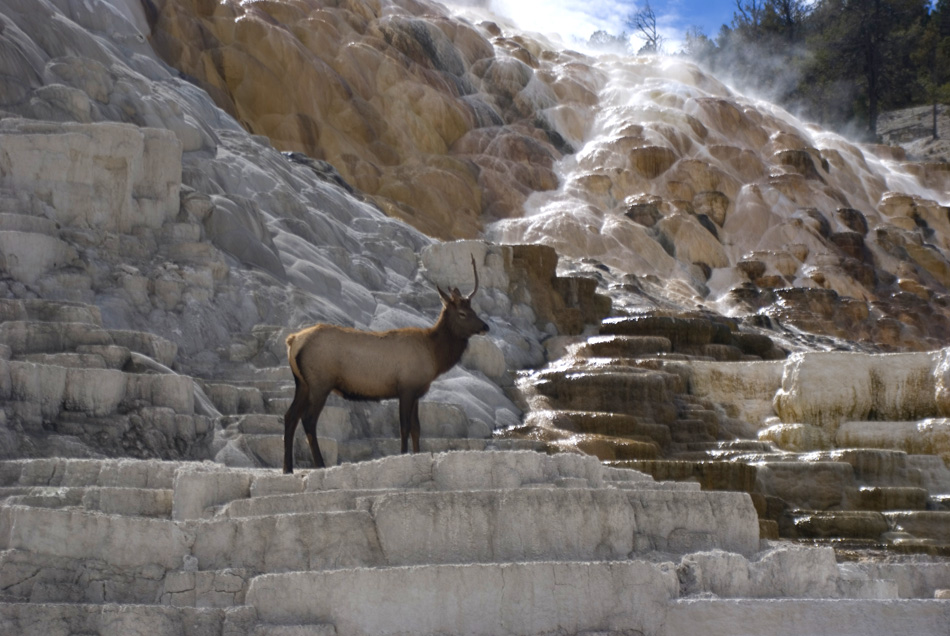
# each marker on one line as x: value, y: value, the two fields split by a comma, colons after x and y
x: 847, y: 524
x: 200, y: 486
x: 68, y: 360
x: 352, y: 499
x: 94, y: 392
x: 815, y: 485
x: 250, y: 374
x: 873, y: 466
x: 233, y: 400
x: 882, y: 498
x: 487, y: 526
x: 728, y: 450
x: 579, y: 524
x: 48, y: 311
x: 916, y: 577
x: 13, y: 222
x: 602, y: 423
x: 60, y: 472
x: 192, y: 588
x: 918, y: 437
x: 571, y: 598
x: 359, y: 450
x: 269, y: 388
x: 288, y: 542
x: 277, y: 405
x: 711, y: 337
x: 144, y: 502
x: 305, y: 502
x: 623, y: 346
x: 932, y: 472
x: 255, y: 423
x: 268, y: 450
x: 156, y: 347
x: 260, y: 544
x: 14, y: 202
x: 939, y: 502
x: 684, y: 431
x: 633, y: 391
x: 682, y: 331
x: 659, y: 485
x: 29, y: 255
x: 609, y: 448
x: 794, y: 617
x: 710, y: 475
x: 46, y: 619
x: 34, y: 336
x: 29, y: 576
x: 928, y: 525
x: 312, y: 629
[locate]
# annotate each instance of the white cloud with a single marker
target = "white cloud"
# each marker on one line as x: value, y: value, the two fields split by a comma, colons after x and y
x: 572, y: 20
x: 576, y: 20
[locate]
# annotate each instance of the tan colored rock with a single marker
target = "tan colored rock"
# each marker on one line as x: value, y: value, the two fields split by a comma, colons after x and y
x: 694, y: 243
x: 749, y: 387
x: 925, y: 437
x: 825, y: 389
x: 376, y: 94
x: 796, y: 437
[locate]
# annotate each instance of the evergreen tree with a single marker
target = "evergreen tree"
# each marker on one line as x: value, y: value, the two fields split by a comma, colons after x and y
x: 933, y: 58
x: 867, y: 44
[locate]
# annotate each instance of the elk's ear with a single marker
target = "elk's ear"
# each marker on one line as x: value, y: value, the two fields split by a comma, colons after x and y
x: 445, y: 297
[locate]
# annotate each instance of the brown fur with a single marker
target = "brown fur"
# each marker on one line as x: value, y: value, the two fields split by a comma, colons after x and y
x: 367, y: 365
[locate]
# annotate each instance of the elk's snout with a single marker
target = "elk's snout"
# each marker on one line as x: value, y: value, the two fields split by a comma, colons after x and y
x: 484, y: 328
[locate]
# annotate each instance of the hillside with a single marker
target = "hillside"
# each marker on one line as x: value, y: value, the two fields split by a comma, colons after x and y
x: 912, y: 130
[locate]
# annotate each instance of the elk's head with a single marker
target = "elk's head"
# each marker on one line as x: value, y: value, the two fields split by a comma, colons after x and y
x: 462, y: 320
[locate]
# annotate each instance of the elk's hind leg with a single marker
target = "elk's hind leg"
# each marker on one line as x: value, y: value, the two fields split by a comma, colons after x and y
x: 291, y: 417
x: 409, y: 422
x: 316, y: 402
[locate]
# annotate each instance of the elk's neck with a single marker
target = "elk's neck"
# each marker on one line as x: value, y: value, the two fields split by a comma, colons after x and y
x: 448, y: 348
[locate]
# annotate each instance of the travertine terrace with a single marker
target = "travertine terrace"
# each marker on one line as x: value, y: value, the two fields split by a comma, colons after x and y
x: 714, y: 395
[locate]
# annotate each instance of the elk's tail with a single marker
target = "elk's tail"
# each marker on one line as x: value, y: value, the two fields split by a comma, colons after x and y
x: 292, y: 357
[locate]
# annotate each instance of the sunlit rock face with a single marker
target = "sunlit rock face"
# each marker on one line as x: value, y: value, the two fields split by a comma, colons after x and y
x: 458, y: 124
x: 680, y: 178
x: 442, y: 122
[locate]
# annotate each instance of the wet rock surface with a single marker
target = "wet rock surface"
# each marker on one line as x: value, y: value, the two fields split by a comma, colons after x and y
x: 198, y: 548
x: 848, y: 456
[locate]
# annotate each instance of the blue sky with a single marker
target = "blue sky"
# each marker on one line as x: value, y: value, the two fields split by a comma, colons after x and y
x: 578, y: 19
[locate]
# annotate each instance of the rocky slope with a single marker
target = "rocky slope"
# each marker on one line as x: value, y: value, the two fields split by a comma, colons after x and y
x: 683, y: 283
x: 649, y: 166
x: 912, y: 130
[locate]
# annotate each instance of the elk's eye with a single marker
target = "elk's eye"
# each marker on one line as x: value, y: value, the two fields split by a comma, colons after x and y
x: 463, y: 314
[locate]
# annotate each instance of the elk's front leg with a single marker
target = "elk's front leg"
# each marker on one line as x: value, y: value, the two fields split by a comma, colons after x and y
x: 414, y: 426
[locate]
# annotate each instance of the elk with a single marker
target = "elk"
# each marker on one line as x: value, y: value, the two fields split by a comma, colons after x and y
x: 368, y: 365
